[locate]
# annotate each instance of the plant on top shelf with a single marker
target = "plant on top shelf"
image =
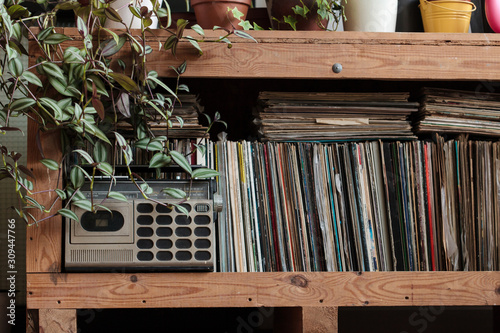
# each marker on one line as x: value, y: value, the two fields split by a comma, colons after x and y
x: 305, y: 14
x: 83, y: 92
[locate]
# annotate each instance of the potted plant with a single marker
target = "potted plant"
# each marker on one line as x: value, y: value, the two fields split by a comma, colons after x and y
x: 372, y: 16
x: 218, y: 13
x: 78, y: 94
x: 305, y: 14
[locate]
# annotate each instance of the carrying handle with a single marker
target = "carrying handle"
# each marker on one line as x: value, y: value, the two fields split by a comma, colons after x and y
x: 456, y: 10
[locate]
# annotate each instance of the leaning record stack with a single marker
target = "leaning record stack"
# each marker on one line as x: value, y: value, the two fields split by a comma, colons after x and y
x: 187, y: 108
x: 459, y: 112
x: 285, y: 116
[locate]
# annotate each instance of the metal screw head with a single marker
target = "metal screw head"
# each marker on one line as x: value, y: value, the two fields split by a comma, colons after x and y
x: 337, y: 68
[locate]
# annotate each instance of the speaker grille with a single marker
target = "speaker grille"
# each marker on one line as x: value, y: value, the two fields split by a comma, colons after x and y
x: 95, y: 256
x: 180, y: 239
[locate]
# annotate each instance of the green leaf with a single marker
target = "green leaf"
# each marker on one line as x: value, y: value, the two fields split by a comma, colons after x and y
x: 72, y: 55
x: 180, y: 120
x: 61, y: 194
x: 68, y: 5
x: 172, y: 43
x: 112, y: 14
x: 126, y: 82
x: 62, y: 87
x: 101, y: 87
x: 112, y: 46
x: 135, y: 12
x: 165, y: 12
x: 96, y: 131
x: 246, y: 25
x: 105, y: 168
x: 181, y: 161
x: 175, y: 193
x: 181, y: 209
x: 85, y: 155
x: 236, y: 13
x: 100, y: 152
x: 22, y: 104
x: 32, y: 78
x: 121, y: 140
x: 50, y: 164
x: 56, y: 38
x: 44, y: 33
x: 77, y: 178
x: 35, y: 203
x: 244, y: 34
x: 195, y: 44
x: 83, y: 204
x: 160, y: 160
x: 117, y: 196
x: 149, y: 145
x: 291, y: 21
x: 11, y: 52
x: 82, y: 27
x: 146, y: 189
x: 204, y: 173
x: 50, y: 103
x: 198, y: 29
x: 201, y: 148
x: 53, y: 70
x: 16, y: 67
x: 68, y: 213
x: 161, y: 84
x: 17, y: 11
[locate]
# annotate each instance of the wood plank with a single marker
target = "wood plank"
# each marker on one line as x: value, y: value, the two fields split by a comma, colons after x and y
x: 57, y: 321
x: 320, y: 319
x: 311, y: 55
x: 321, y: 289
x: 44, y: 241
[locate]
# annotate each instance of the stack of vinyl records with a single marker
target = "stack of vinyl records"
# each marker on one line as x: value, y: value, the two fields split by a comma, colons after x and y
x: 286, y: 116
x: 183, y: 123
x: 454, y: 111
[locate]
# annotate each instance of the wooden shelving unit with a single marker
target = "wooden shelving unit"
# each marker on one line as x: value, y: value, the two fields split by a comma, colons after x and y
x: 313, y: 298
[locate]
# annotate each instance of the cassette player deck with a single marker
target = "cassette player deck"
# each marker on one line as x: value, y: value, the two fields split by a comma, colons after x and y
x: 143, y: 234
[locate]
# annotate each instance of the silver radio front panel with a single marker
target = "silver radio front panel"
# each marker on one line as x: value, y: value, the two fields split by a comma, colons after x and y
x: 142, y: 234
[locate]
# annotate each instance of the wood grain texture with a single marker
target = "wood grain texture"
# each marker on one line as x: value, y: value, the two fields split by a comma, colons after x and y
x: 311, y: 55
x: 57, y: 321
x: 173, y: 290
x: 320, y: 319
x: 44, y: 241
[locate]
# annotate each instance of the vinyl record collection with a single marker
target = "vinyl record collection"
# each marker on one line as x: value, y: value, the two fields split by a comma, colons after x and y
x: 282, y: 116
x: 452, y: 111
x: 369, y: 206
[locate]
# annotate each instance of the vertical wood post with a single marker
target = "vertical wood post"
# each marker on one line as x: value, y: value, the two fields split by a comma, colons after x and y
x: 57, y: 321
x: 320, y: 319
x: 306, y: 320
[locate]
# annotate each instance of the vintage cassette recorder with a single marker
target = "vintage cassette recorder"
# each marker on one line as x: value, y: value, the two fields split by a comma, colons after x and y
x: 144, y: 234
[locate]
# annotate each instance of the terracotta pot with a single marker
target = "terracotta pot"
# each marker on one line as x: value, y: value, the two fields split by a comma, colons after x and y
x: 281, y: 8
x: 210, y: 13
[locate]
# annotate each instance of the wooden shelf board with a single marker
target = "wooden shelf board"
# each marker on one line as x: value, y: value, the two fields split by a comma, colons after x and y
x: 311, y: 55
x: 192, y: 290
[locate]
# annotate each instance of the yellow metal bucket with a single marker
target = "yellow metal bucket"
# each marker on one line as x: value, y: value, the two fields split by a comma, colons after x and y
x: 446, y: 15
